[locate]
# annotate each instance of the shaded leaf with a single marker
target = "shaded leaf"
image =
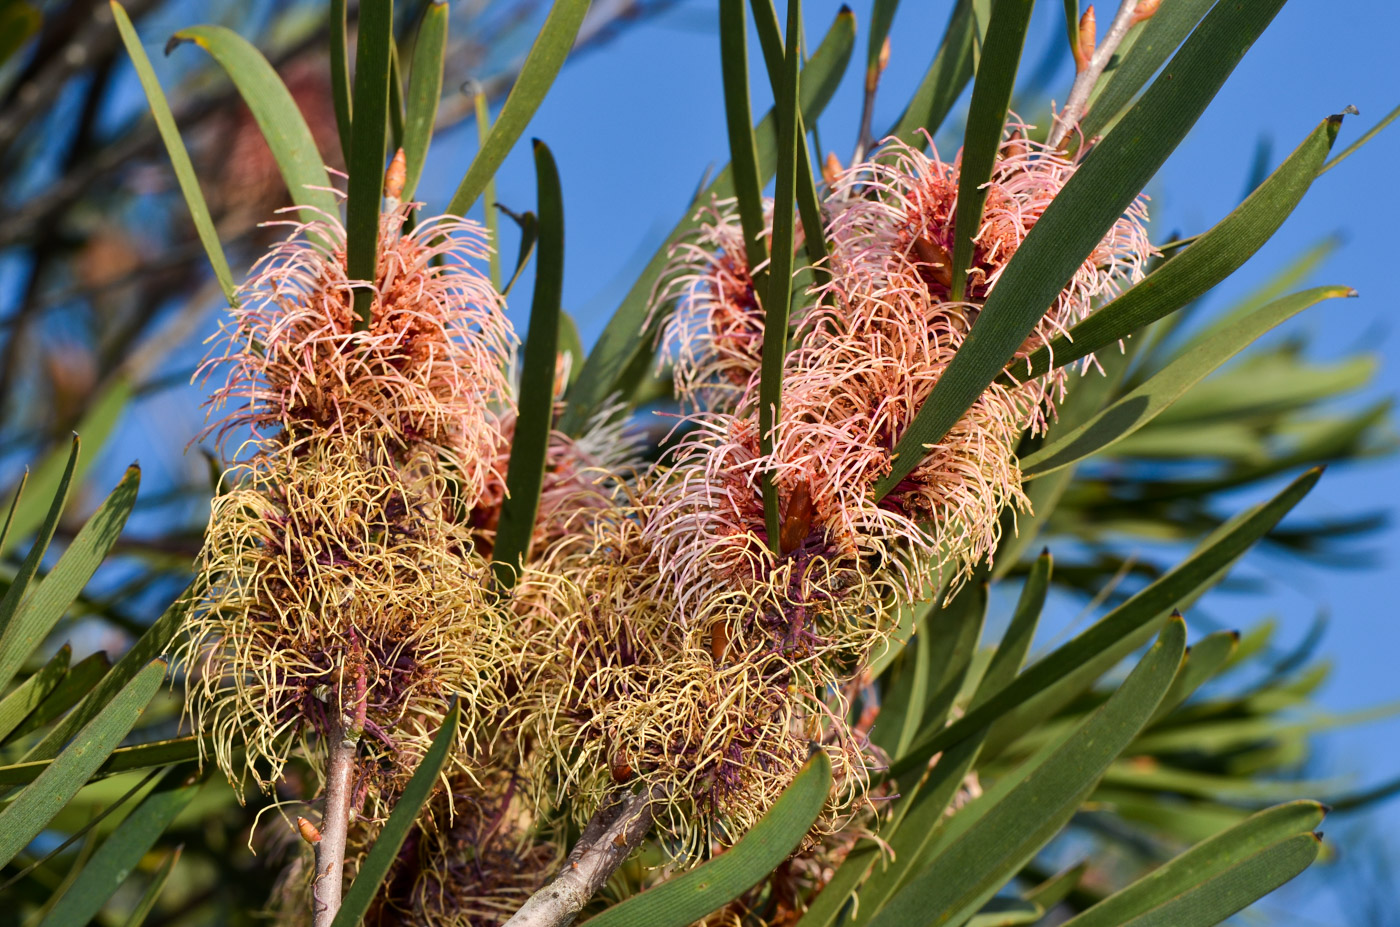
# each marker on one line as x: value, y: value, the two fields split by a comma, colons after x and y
x: 175, y: 147
x: 277, y: 114
x: 536, y: 75
x: 711, y: 885
x: 424, y: 92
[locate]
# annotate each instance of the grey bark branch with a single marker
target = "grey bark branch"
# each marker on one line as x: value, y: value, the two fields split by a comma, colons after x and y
x: 608, y: 839
x: 1078, y: 102
x: 330, y: 850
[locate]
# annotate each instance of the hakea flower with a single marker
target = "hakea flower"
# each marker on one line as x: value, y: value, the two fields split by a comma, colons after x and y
x: 716, y: 331
x: 429, y: 369
x: 340, y: 596
x: 473, y: 856
x: 617, y: 696
x: 870, y: 352
x: 582, y: 476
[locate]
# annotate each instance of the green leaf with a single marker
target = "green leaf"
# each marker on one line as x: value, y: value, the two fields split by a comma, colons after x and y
x: 42, y: 484
x: 175, y: 147
x: 986, y: 119
x: 1356, y: 145
x: 541, y: 66
x: 1146, y: 402
x: 365, y: 188
x: 278, y: 117
x: 152, y: 895
x: 1160, y: 37
x: 627, y: 333
x: 118, y: 856
x: 777, y: 300
x: 19, y: 586
x: 770, y: 37
x: 918, y: 816
x: 529, y: 448
x: 944, y: 81
x: 570, y: 344
x: 711, y: 885
x: 1121, y: 624
x: 989, y: 841
x: 1213, y: 256
x: 14, y: 507
x: 837, y: 895
x: 1207, y: 892
x: 1204, y: 660
x: 1058, y: 887
x: 881, y: 18
x: 386, y: 847
x: 340, y: 77
x: 1006, y: 912
x: 743, y: 151
x: 20, y: 703
x: 123, y: 759
x: 75, y: 684
x: 424, y: 92
x: 529, y: 235
x: 151, y: 645
x: 1074, y: 223
x: 26, y: 815
x: 27, y: 627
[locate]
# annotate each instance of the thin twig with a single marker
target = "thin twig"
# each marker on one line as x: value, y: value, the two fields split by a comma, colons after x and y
x: 610, y: 837
x: 1078, y: 101
x: 330, y: 849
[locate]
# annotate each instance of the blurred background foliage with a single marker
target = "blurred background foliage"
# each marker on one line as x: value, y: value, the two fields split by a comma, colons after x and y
x: 105, y: 298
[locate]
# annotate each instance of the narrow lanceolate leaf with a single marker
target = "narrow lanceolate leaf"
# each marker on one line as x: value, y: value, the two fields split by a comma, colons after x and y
x: 541, y: 66
x: 119, y: 856
x: 1181, y: 583
x: 710, y: 886
x: 743, y: 153
x: 1074, y: 223
x: 134, y: 662
x: 944, y: 81
x: 153, y: 891
x: 1146, y: 402
x: 175, y: 147
x: 1057, y: 888
x: 386, y: 846
x: 1356, y: 145
x: 530, y: 446
x: 1212, y: 257
x: 1006, y: 912
x: 626, y: 335
x: 424, y: 92
x: 20, y: 703
x: 1213, y: 880
x: 986, y: 118
x: 33, y: 808
x: 1161, y: 35
x: 1001, y: 831
x: 283, y: 127
x: 777, y: 299
x: 42, y: 483
x: 14, y: 507
x: 35, y: 618
x: 340, y: 76
x: 19, y: 586
x: 365, y: 188
x: 71, y: 689
x: 123, y: 759
x: 1204, y: 660
x: 770, y: 37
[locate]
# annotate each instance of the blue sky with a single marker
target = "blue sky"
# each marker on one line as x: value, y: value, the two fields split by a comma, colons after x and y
x: 634, y: 128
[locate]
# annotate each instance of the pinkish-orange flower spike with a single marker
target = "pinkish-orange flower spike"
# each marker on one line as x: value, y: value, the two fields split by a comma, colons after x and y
x: 429, y: 369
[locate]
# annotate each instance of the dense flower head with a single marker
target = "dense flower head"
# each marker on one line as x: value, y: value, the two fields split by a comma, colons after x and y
x: 617, y: 695
x: 338, y: 597
x: 716, y: 331
x: 429, y: 368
